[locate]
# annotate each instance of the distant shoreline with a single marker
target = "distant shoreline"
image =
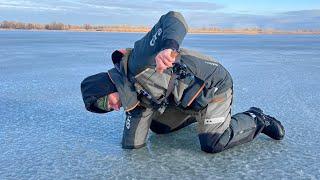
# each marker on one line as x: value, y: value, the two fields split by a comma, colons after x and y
x: 56, y: 26
x: 234, y: 32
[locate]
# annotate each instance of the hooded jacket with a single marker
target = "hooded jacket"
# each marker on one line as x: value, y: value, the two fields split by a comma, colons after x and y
x: 207, y: 76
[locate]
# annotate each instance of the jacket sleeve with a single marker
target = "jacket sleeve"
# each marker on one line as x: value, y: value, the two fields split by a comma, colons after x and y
x: 168, y: 32
x: 174, y: 30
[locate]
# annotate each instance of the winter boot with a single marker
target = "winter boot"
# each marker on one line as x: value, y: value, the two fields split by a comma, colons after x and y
x: 272, y: 127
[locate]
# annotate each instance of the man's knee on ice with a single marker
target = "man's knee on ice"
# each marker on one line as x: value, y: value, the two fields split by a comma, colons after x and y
x: 214, y: 142
x: 159, y: 128
x: 131, y: 146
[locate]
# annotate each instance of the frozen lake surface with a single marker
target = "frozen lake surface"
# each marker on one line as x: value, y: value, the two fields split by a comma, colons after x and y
x: 45, y: 132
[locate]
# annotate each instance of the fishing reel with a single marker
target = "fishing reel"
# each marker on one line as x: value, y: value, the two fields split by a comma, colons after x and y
x: 180, y: 70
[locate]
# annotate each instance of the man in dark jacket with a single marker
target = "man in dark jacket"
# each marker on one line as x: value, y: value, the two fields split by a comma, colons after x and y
x: 165, y: 88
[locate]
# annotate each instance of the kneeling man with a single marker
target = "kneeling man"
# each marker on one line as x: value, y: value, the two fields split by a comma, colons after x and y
x: 164, y: 87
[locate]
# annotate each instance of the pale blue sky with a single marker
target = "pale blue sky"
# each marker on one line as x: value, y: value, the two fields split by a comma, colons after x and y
x: 267, y: 6
x: 281, y: 14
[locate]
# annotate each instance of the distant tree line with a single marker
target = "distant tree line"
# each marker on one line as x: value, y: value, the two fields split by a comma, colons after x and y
x: 61, y: 26
x: 127, y: 28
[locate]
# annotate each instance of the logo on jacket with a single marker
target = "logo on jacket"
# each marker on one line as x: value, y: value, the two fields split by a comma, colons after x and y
x: 128, y: 121
x: 155, y: 37
x: 211, y: 63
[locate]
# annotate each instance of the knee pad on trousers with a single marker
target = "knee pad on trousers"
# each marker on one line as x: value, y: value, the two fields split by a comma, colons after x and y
x: 159, y: 128
x: 214, y: 143
x: 124, y: 146
x: 243, y: 128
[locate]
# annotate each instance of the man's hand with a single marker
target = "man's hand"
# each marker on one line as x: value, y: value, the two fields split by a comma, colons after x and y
x: 114, y: 101
x: 165, y: 59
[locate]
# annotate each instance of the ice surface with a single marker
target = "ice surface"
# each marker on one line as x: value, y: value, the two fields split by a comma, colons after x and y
x: 45, y: 132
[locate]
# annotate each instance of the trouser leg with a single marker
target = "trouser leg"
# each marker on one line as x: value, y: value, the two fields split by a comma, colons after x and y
x: 219, y: 131
x: 136, y: 127
x: 171, y: 120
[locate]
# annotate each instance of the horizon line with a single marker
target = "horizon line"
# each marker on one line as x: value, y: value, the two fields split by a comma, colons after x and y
x: 7, y: 24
